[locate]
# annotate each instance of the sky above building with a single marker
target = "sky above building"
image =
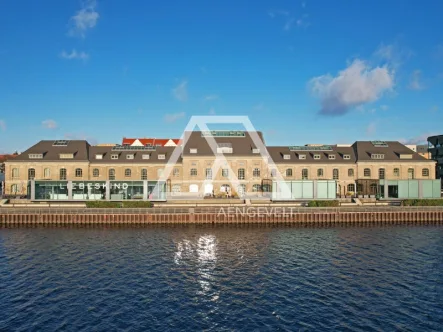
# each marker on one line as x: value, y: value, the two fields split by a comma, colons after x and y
x: 303, y: 71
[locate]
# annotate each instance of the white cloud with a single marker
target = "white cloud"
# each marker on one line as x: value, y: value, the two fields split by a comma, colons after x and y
x: 384, y: 107
x: 86, y: 18
x: 2, y: 125
x: 394, y: 54
x: 354, y: 86
x: 49, y: 124
x: 371, y: 129
x: 211, y: 97
x: 174, y: 117
x: 181, y: 91
x: 74, y: 55
x: 212, y: 111
x: 415, y: 81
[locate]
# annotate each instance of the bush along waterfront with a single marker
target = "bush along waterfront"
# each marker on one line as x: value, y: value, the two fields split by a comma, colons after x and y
x: 116, y: 205
x: 323, y: 204
x: 422, y: 202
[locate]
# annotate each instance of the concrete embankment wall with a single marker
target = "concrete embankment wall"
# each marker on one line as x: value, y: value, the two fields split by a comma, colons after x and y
x: 255, y: 216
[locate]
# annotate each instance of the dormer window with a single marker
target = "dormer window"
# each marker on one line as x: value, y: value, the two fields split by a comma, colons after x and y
x: 316, y: 156
x: 286, y: 156
x: 331, y: 156
x: 377, y: 156
x: 193, y: 151
x: 145, y: 156
x: 224, y: 148
x: 114, y: 156
x: 405, y: 156
x: 66, y: 156
x: 301, y: 156
x: 99, y: 156
x: 35, y: 156
x: 255, y: 150
x: 161, y: 156
x: 129, y: 156
x: 347, y: 156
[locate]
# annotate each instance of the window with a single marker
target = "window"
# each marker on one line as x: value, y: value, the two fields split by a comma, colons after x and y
x: 256, y: 188
x: 66, y: 156
x: 396, y: 172
x: 367, y: 172
x: 346, y: 156
x: 192, y: 150
x: 289, y: 172
x: 15, y: 173
x: 161, y: 156
x: 351, y: 188
x: 225, y: 172
x: 351, y: 172
x: 373, y: 188
x: 95, y: 173
x: 377, y: 156
x: 224, y: 148
x: 144, y: 174
x: 331, y: 156
x: 304, y: 174
x: 160, y: 172
x: 193, y: 171
x: 35, y: 156
x: 129, y: 156
x: 335, y: 174
x: 128, y: 172
x: 320, y: 172
x: 175, y: 172
x: 78, y: 172
x: 381, y: 173
x: 301, y: 156
x: 62, y: 174
x: 31, y: 174
x: 176, y: 188
x: 111, y: 174
x: 98, y: 156
x: 410, y: 173
x: 145, y: 156
x: 425, y: 172
x: 286, y: 156
x: 256, y: 173
x: 316, y: 156
x: 46, y: 173
x: 241, y: 173
x: 255, y: 150
x: 273, y: 173
x: 14, y: 188
x: 114, y: 156
x: 208, y: 173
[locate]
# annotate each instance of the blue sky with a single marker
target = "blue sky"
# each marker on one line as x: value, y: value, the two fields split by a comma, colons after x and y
x: 303, y: 71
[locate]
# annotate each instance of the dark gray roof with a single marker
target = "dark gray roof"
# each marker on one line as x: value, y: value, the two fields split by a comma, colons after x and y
x: 52, y: 153
x: 107, y: 151
x: 242, y: 146
x: 392, y: 152
x: 277, y: 154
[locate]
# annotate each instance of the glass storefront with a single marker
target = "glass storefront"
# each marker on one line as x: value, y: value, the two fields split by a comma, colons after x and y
x: 124, y: 190
x: 156, y: 190
x: 51, y: 190
x: 88, y: 190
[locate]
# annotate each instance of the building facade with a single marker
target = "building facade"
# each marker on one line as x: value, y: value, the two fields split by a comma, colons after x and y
x: 217, y: 163
x: 435, y: 148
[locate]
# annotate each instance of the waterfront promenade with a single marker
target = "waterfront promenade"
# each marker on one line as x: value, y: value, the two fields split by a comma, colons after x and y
x: 221, y: 215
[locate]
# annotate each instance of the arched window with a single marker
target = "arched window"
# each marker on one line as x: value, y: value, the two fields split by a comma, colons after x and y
x: 381, y: 173
x: 273, y: 173
x: 256, y: 188
x: 320, y: 172
x: 193, y: 171
x: 176, y: 188
x: 95, y: 173
x: 289, y: 172
x: 351, y: 187
x: 241, y: 189
x: 304, y: 174
x: 128, y: 172
x: 256, y: 173
x: 78, y: 172
x: 367, y: 172
x: 175, y: 172
x: 396, y: 172
x: 14, y: 189
x: 351, y: 172
x: 193, y: 188
x: 425, y: 172
x: 15, y: 172
x: 410, y: 173
x: 31, y: 174
x: 208, y: 173
x: 335, y: 174
x: 241, y: 173
x: 47, y: 173
x: 160, y: 172
x: 144, y: 174
x: 63, y: 174
x: 111, y: 174
x: 266, y: 188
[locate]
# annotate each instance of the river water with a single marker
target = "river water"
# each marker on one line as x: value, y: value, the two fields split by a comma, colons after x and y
x: 221, y: 278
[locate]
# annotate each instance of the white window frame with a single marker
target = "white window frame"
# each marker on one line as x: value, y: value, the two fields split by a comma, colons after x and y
x: 287, y: 156
x: 161, y: 156
x: 114, y: 156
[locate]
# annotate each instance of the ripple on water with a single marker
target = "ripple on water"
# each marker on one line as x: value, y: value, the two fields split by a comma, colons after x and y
x: 221, y: 278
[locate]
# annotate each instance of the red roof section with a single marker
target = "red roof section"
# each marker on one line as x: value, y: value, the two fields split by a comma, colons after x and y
x: 152, y: 141
x: 4, y: 157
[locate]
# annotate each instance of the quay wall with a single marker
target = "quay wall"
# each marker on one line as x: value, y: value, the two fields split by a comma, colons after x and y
x: 316, y: 216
